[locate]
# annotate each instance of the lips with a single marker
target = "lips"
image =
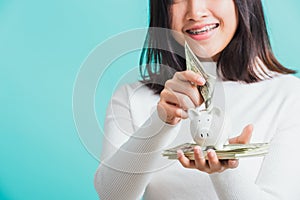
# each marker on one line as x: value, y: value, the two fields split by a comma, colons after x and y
x: 203, y: 29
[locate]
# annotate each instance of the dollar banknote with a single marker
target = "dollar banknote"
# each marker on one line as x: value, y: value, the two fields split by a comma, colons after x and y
x: 229, y: 151
x: 194, y: 64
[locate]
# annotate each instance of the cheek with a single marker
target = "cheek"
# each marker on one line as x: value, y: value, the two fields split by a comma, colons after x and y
x: 227, y: 14
x: 229, y: 25
x: 174, y: 21
x: 176, y: 26
x: 232, y: 20
x: 177, y: 14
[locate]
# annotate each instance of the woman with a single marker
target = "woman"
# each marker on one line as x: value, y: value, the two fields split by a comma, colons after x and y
x: 258, y: 90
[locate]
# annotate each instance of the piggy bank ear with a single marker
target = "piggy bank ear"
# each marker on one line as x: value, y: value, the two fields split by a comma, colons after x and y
x: 193, y: 113
x: 216, y: 111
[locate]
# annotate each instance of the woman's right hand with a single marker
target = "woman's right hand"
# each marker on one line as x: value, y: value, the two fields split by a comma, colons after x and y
x: 179, y: 94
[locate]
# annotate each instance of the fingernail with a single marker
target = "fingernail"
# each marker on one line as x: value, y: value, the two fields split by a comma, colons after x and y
x: 197, y: 149
x: 184, y: 114
x: 201, y: 80
x: 179, y: 153
x: 211, y: 153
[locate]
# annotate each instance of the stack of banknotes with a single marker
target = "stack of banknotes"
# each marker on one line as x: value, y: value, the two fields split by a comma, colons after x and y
x: 229, y: 151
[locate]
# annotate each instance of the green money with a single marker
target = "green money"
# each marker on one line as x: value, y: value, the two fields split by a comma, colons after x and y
x: 194, y: 64
x: 229, y: 151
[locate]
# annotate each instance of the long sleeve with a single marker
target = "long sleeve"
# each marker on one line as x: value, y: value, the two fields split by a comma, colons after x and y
x: 278, y: 176
x: 130, y: 151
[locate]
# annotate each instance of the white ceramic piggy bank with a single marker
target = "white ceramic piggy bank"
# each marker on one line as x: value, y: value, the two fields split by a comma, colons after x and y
x: 207, y: 127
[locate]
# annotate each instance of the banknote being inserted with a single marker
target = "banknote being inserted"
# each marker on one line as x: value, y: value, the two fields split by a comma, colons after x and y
x: 207, y: 124
x: 193, y: 64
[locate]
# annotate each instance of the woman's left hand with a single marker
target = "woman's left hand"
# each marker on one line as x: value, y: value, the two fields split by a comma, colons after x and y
x: 213, y: 164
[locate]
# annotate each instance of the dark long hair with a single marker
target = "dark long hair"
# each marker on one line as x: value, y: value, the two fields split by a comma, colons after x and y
x: 251, y: 41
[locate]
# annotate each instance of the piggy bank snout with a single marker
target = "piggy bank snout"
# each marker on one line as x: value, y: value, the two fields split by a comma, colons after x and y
x: 202, y: 135
x: 201, y: 128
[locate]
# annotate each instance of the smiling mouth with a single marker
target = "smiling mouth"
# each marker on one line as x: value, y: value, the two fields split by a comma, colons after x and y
x: 205, y: 29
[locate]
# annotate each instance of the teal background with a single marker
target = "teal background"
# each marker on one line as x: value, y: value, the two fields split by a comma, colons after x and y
x: 42, y: 46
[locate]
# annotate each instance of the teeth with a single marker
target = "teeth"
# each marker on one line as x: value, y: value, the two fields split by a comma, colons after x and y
x: 203, y: 30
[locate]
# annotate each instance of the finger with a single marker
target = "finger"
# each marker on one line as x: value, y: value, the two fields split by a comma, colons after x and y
x: 174, y: 105
x: 169, y: 97
x: 186, y: 89
x: 190, y: 76
x: 232, y: 163
x: 245, y: 136
x: 213, y: 161
x: 184, y: 101
x: 185, y: 162
x: 178, y: 99
x: 200, y: 161
x: 183, y: 114
x: 169, y: 113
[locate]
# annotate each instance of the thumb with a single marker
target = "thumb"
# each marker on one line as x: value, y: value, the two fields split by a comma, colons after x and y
x: 245, y: 136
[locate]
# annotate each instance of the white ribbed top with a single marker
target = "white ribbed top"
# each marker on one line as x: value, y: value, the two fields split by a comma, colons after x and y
x: 132, y: 165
